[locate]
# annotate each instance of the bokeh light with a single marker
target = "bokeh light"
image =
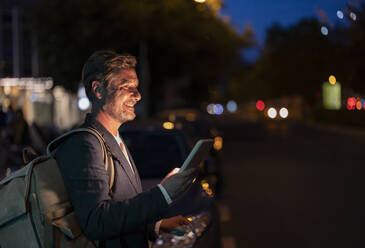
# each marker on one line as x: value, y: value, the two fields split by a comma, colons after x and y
x: 81, y: 92
x: 7, y: 90
x: 210, y: 109
x: 351, y: 103
x: 232, y: 106
x: 83, y: 103
x: 206, y: 188
x: 358, y: 105
x: 218, y: 109
x: 218, y: 143
x: 260, y: 105
x: 353, y: 16
x: 168, y: 125
x: 283, y: 113
x: 272, y: 113
x: 340, y: 14
x: 199, y: 1
x: 332, y: 79
x: 324, y: 30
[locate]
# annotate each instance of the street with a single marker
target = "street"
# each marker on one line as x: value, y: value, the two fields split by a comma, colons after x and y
x: 291, y: 185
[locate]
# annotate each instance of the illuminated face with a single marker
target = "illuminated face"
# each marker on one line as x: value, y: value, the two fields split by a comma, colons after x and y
x: 121, y: 95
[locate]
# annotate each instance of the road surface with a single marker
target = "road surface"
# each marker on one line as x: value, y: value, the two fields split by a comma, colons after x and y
x: 292, y: 185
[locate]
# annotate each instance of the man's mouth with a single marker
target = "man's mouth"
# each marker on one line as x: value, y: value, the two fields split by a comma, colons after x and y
x: 129, y: 105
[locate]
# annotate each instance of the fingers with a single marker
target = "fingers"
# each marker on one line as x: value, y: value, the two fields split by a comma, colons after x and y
x: 188, y: 178
x: 190, y: 173
x: 180, y: 220
x: 174, y: 222
x: 183, y: 220
x: 187, y: 183
x: 172, y: 172
x: 184, y: 175
x: 178, y: 183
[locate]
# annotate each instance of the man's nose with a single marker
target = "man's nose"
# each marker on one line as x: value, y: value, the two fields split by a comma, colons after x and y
x: 137, y: 95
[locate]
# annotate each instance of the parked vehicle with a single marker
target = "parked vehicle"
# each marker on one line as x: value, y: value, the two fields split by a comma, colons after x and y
x: 156, y: 151
x: 196, y: 125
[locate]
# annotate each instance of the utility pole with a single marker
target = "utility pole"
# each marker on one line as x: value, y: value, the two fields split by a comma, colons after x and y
x: 35, y: 56
x: 2, y: 63
x: 15, y: 23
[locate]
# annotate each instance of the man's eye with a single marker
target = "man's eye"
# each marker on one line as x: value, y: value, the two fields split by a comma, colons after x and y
x: 128, y: 88
x: 123, y: 87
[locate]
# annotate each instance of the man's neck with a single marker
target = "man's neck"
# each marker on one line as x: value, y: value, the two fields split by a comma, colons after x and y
x: 108, y: 122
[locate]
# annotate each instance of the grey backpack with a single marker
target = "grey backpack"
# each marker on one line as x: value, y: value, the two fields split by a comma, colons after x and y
x: 34, y: 206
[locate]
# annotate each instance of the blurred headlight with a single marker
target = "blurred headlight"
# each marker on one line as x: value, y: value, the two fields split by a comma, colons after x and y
x: 283, y: 113
x: 272, y: 113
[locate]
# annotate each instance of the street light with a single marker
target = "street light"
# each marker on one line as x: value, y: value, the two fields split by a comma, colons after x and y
x: 353, y: 16
x: 340, y: 14
x: 168, y: 125
x: 332, y: 80
x: 324, y: 30
x: 231, y: 106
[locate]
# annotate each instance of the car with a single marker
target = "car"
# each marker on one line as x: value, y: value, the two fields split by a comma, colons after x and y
x: 156, y: 151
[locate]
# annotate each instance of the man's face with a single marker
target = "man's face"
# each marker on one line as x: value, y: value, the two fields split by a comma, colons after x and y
x: 121, y: 95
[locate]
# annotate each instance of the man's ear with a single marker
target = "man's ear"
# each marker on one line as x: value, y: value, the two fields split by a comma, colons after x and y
x: 98, y: 89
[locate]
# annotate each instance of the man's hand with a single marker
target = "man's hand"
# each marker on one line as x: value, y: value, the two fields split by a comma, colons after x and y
x: 176, y: 183
x: 173, y: 222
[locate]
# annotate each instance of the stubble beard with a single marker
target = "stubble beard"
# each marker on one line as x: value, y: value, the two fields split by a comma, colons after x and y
x: 120, y: 114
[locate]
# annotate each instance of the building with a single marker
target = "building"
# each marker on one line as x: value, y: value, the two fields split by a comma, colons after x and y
x: 19, y: 55
x: 20, y: 84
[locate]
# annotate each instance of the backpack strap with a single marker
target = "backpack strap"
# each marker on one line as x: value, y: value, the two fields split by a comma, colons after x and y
x: 108, y: 160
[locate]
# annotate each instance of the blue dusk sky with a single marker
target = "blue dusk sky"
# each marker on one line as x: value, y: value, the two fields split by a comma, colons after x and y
x: 261, y: 14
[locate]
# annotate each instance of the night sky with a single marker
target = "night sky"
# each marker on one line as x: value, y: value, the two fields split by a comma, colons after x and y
x: 261, y: 14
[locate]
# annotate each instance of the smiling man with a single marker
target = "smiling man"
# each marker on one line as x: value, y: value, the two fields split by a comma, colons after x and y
x: 123, y: 216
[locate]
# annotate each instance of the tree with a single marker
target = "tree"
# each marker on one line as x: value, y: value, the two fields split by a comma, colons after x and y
x: 356, y: 48
x: 294, y: 61
x: 183, y: 38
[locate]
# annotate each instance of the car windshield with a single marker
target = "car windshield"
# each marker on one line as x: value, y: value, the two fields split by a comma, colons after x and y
x: 155, y: 154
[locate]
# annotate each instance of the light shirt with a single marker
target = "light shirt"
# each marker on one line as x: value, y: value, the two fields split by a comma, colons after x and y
x: 124, y: 150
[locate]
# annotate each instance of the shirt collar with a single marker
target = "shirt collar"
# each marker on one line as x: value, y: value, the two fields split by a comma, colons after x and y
x: 117, y: 138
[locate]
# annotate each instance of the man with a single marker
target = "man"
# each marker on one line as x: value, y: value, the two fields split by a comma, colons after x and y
x: 123, y: 216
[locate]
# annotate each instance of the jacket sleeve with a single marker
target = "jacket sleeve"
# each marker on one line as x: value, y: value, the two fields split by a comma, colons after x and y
x: 152, y: 235
x: 87, y: 183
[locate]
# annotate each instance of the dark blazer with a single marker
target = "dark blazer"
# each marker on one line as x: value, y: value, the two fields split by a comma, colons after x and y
x: 117, y: 218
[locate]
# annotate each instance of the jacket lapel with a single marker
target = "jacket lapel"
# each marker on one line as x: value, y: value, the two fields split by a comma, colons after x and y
x: 118, y: 155
x: 115, y: 151
x: 138, y: 180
